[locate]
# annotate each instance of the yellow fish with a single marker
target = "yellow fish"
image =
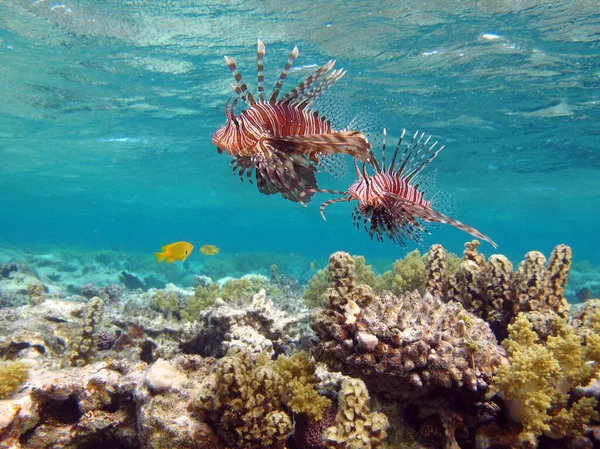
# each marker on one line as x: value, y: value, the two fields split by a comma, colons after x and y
x: 209, y: 250
x: 174, y: 251
x: 312, y: 266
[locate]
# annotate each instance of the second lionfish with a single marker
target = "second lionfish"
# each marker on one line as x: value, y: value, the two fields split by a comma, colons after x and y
x: 392, y: 201
x: 284, y: 141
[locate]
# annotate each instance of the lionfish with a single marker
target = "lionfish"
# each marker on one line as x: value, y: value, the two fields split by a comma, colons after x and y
x: 284, y: 141
x: 392, y: 200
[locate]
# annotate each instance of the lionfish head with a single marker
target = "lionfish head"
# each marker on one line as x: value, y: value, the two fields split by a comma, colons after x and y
x: 225, y: 137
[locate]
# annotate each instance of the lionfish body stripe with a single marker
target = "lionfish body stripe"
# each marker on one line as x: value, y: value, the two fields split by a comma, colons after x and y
x: 284, y: 141
x: 390, y: 201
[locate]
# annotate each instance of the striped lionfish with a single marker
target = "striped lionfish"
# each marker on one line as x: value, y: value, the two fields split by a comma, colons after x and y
x: 392, y: 201
x: 284, y: 140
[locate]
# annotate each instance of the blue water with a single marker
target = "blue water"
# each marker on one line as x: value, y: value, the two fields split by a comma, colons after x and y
x: 108, y: 109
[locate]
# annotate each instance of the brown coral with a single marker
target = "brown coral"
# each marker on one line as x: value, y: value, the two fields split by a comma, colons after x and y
x: 492, y: 291
x: 405, y: 346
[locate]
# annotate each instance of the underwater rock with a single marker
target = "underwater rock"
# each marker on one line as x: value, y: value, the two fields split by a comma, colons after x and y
x: 258, y: 326
x: 164, y: 414
x: 74, y: 408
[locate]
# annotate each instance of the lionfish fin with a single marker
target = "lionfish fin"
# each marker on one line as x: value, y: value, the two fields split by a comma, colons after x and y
x: 243, y: 89
x: 334, y: 164
x: 353, y: 143
x: 310, y: 95
x: 283, y: 75
x: 261, y: 68
x: 286, y: 173
x: 296, y: 93
x: 311, y: 192
x: 428, y: 214
x: 417, y: 155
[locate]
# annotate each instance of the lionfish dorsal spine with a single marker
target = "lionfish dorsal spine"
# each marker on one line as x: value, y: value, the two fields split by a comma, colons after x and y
x: 283, y: 75
x: 391, y: 168
x: 292, y: 95
x: 261, y: 68
x: 383, y: 148
x: 310, y: 95
x: 432, y: 155
x: 244, y: 93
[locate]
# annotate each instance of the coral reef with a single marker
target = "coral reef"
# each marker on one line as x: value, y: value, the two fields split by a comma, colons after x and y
x: 404, y: 346
x: 356, y: 426
x: 244, y: 408
x: 84, y: 345
x: 543, y: 368
x: 258, y: 326
x: 492, y: 291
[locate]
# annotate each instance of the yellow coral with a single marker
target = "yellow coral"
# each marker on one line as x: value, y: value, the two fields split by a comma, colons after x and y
x: 409, y: 273
x: 12, y: 375
x: 536, y: 381
x: 298, y: 374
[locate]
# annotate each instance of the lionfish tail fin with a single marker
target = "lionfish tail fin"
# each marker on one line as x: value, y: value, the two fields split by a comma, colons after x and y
x: 240, y: 88
x: 283, y: 75
x: 430, y: 215
x: 353, y: 143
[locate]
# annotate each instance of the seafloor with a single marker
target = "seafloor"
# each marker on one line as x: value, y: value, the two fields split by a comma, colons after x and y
x: 265, y: 351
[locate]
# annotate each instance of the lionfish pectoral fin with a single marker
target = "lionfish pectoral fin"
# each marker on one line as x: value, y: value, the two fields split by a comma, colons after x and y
x: 428, y: 214
x: 353, y: 143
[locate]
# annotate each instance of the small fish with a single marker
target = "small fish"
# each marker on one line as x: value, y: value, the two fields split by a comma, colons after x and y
x: 209, y: 250
x: 584, y: 294
x: 174, y: 251
x: 312, y: 266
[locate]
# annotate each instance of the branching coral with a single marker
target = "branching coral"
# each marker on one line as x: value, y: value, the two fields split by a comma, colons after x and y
x: 204, y: 297
x: 298, y: 375
x: 320, y: 282
x: 540, y: 373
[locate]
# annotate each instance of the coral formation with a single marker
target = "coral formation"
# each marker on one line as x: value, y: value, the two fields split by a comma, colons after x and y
x: 83, y: 347
x: 406, y: 346
x: 245, y: 408
x: 12, y: 375
x: 356, y: 426
x: 258, y: 326
x: 36, y: 293
x: 300, y: 396
x: 541, y: 372
x: 407, y: 275
x: 492, y: 291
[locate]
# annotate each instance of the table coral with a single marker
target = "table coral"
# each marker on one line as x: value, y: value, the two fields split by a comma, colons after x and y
x: 405, y: 346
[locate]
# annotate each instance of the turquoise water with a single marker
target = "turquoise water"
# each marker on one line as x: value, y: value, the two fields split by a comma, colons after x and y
x: 108, y: 109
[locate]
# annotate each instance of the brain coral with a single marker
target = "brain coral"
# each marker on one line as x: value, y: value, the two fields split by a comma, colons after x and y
x: 405, y: 346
